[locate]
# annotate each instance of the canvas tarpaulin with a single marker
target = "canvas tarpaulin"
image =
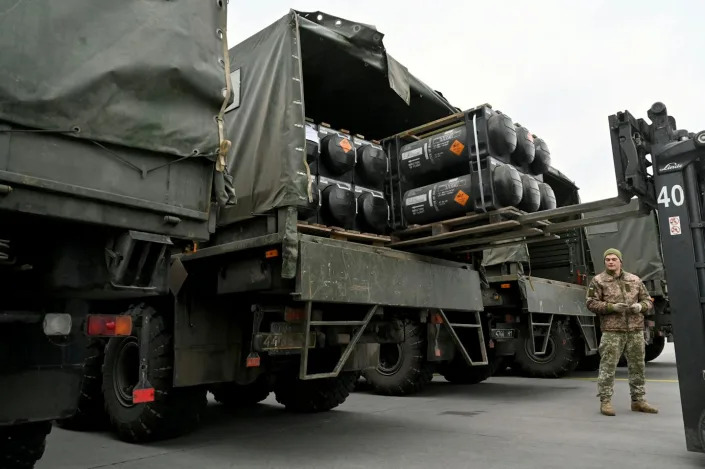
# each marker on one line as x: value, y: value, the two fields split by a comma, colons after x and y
x: 311, y: 65
x: 139, y: 73
x: 637, y: 238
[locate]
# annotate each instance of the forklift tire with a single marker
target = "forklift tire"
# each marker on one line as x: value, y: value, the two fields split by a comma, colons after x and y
x: 403, y: 368
x: 235, y: 395
x: 562, y: 353
x: 21, y: 446
x: 316, y: 395
x: 174, y: 412
x: 654, y: 349
x: 91, y: 413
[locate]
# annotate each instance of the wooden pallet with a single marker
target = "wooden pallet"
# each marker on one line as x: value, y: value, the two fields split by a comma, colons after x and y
x: 472, y: 232
x: 335, y: 232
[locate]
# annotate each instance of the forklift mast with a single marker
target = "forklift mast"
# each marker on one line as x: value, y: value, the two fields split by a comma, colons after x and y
x: 665, y: 168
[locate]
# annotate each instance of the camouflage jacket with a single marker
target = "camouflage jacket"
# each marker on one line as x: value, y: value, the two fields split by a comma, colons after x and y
x: 605, y: 290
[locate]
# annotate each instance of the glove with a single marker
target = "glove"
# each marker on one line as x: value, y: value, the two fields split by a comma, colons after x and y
x: 636, y: 308
x: 620, y: 307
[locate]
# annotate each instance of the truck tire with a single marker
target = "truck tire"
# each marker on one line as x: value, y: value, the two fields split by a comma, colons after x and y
x: 403, y: 368
x: 174, y: 412
x: 654, y: 349
x: 316, y: 395
x: 21, y: 446
x: 562, y: 354
x: 91, y: 413
x: 236, y: 395
x: 589, y: 363
x: 459, y: 372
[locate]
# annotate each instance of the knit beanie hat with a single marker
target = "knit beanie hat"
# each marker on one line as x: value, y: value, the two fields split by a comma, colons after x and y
x: 614, y: 251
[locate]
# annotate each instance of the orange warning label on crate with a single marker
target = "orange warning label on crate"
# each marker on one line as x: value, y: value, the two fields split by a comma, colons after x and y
x: 462, y: 198
x: 345, y: 145
x: 457, y: 147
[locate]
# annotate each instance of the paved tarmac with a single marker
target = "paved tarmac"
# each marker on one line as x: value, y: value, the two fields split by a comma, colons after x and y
x: 505, y: 422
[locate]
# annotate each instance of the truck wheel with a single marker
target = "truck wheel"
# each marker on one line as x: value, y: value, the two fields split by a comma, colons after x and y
x: 316, y: 395
x: 237, y: 395
x: 91, y: 413
x: 561, y: 355
x: 21, y: 446
x: 589, y: 363
x: 174, y: 412
x: 459, y: 372
x: 654, y: 349
x: 403, y: 368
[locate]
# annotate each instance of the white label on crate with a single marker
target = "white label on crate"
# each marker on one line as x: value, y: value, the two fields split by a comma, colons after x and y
x: 312, y: 134
x: 412, y: 153
x: 675, y: 224
x: 417, y: 199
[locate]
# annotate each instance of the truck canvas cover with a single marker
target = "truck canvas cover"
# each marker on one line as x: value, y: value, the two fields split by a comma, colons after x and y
x: 637, y: 238
x: 136, y: 73
x: 317, y: 66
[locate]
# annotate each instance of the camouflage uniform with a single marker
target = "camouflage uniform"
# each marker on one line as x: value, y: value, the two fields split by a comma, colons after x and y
x: 622, y: 332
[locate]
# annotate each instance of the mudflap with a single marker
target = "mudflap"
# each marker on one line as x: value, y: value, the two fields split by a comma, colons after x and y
x: 40, y: 394
x: 40, y: 376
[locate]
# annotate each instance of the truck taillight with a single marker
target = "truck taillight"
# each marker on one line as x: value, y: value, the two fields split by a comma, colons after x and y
x: 109, y: 325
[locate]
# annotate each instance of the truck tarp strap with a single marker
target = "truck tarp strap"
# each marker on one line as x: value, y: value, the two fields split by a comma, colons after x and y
x: 290, y: 244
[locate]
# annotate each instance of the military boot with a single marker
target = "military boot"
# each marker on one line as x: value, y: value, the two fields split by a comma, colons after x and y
x: 643, y: 406
x: 606, y: 408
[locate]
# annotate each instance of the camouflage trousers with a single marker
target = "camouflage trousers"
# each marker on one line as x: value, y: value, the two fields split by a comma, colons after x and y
x: 612, y: 346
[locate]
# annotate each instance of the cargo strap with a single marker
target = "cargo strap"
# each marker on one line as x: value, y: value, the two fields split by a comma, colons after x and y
x: 224, y: 144
x: 477, y: 157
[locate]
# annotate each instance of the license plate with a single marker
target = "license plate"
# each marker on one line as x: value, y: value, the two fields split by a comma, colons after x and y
x: 265, y: 342
x: 503, y: 333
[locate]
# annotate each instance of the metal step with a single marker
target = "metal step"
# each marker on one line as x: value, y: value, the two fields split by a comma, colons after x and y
x: 480, y: 336
x: 362, y: 325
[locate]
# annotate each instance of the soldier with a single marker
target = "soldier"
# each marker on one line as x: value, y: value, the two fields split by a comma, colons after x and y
x: 620, y: 299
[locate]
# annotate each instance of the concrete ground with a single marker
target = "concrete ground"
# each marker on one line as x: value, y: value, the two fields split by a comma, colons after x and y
x: 505, y: 422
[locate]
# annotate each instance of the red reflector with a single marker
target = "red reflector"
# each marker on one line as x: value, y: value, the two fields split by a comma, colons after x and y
x: 436, y: 319
x: 108, y: 325
x: 294, y: 314
x: 140, y: 396
x: 253, y: 360
x: 505, y: 285
x: 271, y: 253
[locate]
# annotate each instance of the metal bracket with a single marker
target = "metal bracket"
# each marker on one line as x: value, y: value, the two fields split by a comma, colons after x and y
x: 547, y: 325
x: 480, y: 335
x: 143, y: 391
x: 361, y: 325
x: 589, y: 332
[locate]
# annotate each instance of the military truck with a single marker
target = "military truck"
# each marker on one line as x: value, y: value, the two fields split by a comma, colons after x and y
x: 639, y: 240
x: 297, y: 283
x: 108, y: 152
